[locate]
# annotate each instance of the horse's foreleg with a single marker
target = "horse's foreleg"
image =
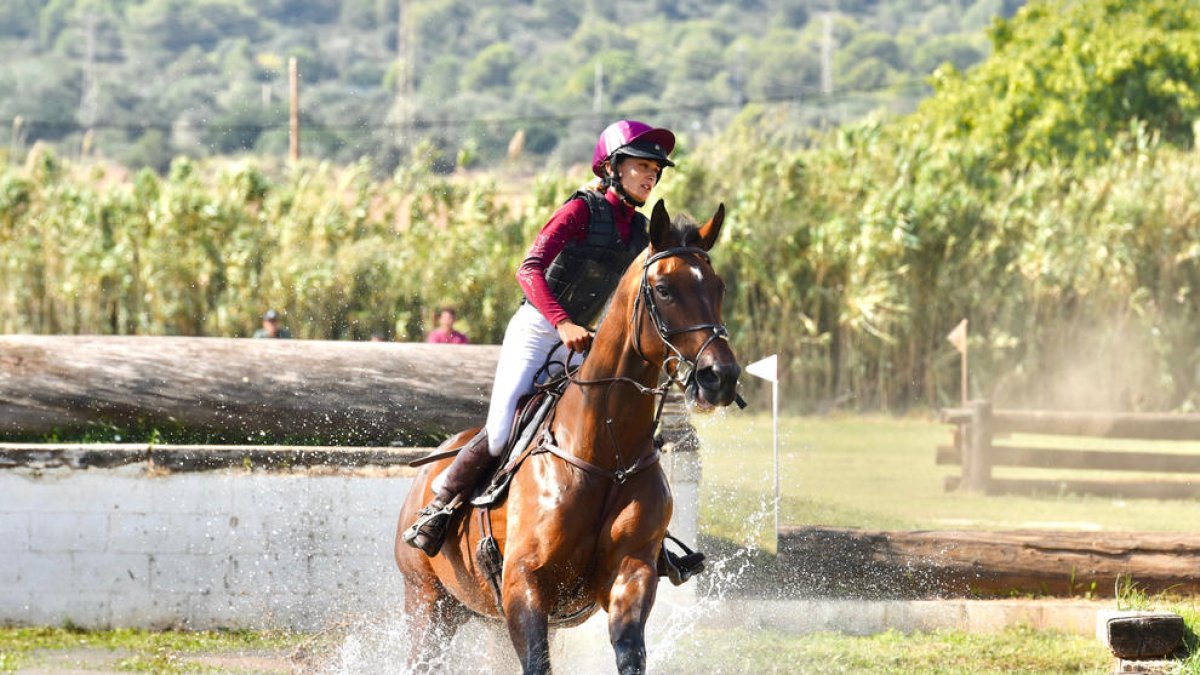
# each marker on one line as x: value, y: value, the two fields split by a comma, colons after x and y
x: 629, y: 603
x: 433, y: 618
x: 528, y: 627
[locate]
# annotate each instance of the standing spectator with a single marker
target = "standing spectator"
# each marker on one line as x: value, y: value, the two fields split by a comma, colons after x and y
x: 270, y: 327
x: 445, y: 333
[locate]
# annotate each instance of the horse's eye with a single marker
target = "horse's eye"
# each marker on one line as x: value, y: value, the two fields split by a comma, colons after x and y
x: 663, y: 291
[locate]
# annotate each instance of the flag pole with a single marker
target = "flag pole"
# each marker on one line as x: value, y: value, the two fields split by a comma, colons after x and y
x: 965, y: 395
x: 775, y: 442
x: 958, y: 338
x: 768, y: 369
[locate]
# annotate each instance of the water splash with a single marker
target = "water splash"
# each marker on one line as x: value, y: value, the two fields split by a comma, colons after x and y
x: 380, y: 647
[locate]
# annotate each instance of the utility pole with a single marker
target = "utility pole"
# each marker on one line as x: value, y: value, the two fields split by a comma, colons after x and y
x: 87, y: 103
x: 406, y: 49
x: 17, y: 140
x: 598, y: 89
x: 735, y: 78
x: 827, y: 53
x: 294, y: 111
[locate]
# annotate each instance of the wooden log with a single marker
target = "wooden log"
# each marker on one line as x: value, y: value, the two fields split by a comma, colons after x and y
x: 199, y: 457
x: 916, y: 564
x: 357, y: 393
x: 1129, y: 489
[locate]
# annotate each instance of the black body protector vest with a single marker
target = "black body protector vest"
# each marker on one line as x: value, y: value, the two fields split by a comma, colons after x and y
x: 584, y: 274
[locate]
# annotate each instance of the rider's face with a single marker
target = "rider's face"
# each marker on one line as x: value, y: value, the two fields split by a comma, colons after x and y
x: 638, y: 177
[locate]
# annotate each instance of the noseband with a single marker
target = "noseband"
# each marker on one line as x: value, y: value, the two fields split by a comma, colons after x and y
x: 676, y: 357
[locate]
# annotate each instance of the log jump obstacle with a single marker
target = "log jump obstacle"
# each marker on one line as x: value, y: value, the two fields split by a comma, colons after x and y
x: 976, y: 450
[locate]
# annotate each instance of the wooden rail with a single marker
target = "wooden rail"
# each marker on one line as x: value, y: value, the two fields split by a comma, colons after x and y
x: 976, y: 450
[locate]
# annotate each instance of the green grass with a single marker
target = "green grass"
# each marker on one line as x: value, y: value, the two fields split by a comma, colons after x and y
x: 1016, y: 650
x: 879, y: 473
x: 704, y: 650
x: 133, y: 650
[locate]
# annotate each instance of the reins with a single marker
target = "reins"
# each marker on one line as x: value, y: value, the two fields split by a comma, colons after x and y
x: 546, y: 442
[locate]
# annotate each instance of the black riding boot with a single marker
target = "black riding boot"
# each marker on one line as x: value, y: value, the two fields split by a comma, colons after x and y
x: 471, y: 463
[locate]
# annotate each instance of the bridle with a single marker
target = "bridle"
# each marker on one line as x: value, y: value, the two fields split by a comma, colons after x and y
x: 676, y: 359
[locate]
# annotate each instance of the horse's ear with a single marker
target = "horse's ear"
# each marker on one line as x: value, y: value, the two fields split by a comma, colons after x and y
x: 660, y: 227
x: 711, y: 231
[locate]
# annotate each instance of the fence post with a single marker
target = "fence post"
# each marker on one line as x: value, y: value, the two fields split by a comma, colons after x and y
x: 977, y: 455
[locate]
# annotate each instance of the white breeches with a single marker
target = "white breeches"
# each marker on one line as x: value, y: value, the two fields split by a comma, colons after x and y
x: 527, y: 341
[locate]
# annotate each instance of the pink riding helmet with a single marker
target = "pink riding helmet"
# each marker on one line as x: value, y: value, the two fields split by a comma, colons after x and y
x: 635, y: 139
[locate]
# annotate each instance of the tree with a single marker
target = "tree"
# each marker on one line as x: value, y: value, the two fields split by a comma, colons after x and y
x: 1067, y: 79
x: 956, y: 50
x: 178, y: 24
x: 18, y: 18
x: 491, y: 68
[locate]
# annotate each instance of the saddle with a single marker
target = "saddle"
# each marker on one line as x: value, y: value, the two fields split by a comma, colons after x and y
x: 532, y: 413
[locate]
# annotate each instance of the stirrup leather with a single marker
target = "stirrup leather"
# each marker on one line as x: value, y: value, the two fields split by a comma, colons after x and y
x: 428, y: 532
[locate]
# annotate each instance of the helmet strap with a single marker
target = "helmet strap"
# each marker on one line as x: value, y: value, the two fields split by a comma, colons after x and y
x: 614, y: 180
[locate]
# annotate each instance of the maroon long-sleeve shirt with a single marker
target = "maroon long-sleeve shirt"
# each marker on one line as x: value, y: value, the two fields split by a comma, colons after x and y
x: 568, y: 225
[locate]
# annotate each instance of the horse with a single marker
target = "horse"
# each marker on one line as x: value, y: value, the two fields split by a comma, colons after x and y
x: 583, y: 521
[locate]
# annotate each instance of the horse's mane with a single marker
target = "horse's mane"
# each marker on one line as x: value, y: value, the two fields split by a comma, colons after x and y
x: 685, y: 230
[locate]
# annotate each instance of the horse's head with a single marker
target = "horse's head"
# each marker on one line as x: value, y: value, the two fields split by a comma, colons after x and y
x: 677, y: 314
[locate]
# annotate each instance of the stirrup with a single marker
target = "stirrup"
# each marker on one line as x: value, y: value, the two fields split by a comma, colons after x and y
x: 428, y: 532
x: 679, y: 568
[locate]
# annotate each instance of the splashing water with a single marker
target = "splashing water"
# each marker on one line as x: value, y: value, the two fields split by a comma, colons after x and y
x: 482, y: 646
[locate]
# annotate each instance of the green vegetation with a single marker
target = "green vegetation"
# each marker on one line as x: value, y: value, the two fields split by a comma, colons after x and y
x: 879, y: 473
x: 1047, y: 194
x: 455, y: 78
x: 205, y: 249
x: 134, y: 650
x: 1020, y: 195
x: 1016, y: 650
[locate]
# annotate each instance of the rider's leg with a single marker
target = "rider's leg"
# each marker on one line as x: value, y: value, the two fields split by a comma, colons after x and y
x: 429, y: 530
x: 527, y: 340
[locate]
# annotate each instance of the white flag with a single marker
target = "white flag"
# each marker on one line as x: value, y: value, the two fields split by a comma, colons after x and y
x: 767, y: 369
x: 958, y: 337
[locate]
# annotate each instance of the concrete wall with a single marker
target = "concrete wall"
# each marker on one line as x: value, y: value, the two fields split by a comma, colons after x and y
x: 121, y: 547
x: 215, y: 549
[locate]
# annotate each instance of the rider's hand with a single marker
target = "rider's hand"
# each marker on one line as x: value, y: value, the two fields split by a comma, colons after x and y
x: 575, y: 337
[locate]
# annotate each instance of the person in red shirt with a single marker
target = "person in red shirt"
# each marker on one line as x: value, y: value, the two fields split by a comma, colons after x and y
x: 567, y: 276
x: 445, y: 334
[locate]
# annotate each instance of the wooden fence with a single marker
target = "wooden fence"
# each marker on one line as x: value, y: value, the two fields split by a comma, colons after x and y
x: 978, y: 428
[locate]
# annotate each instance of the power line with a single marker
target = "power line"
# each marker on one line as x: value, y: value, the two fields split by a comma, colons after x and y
x: 811, y: 96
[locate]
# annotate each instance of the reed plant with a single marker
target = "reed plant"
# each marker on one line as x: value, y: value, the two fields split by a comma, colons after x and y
x: 205, y: 249
x: 851, y: 255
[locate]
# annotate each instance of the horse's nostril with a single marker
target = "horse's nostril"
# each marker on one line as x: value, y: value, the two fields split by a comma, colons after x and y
x: 708, y: 377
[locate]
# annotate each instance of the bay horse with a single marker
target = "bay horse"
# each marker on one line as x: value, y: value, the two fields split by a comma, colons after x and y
x: 586, y: 512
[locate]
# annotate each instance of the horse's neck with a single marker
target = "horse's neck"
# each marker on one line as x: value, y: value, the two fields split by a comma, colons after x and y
x: 614, y: 361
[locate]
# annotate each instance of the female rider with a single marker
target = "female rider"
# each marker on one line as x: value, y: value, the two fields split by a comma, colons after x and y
x: 568, y: 275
